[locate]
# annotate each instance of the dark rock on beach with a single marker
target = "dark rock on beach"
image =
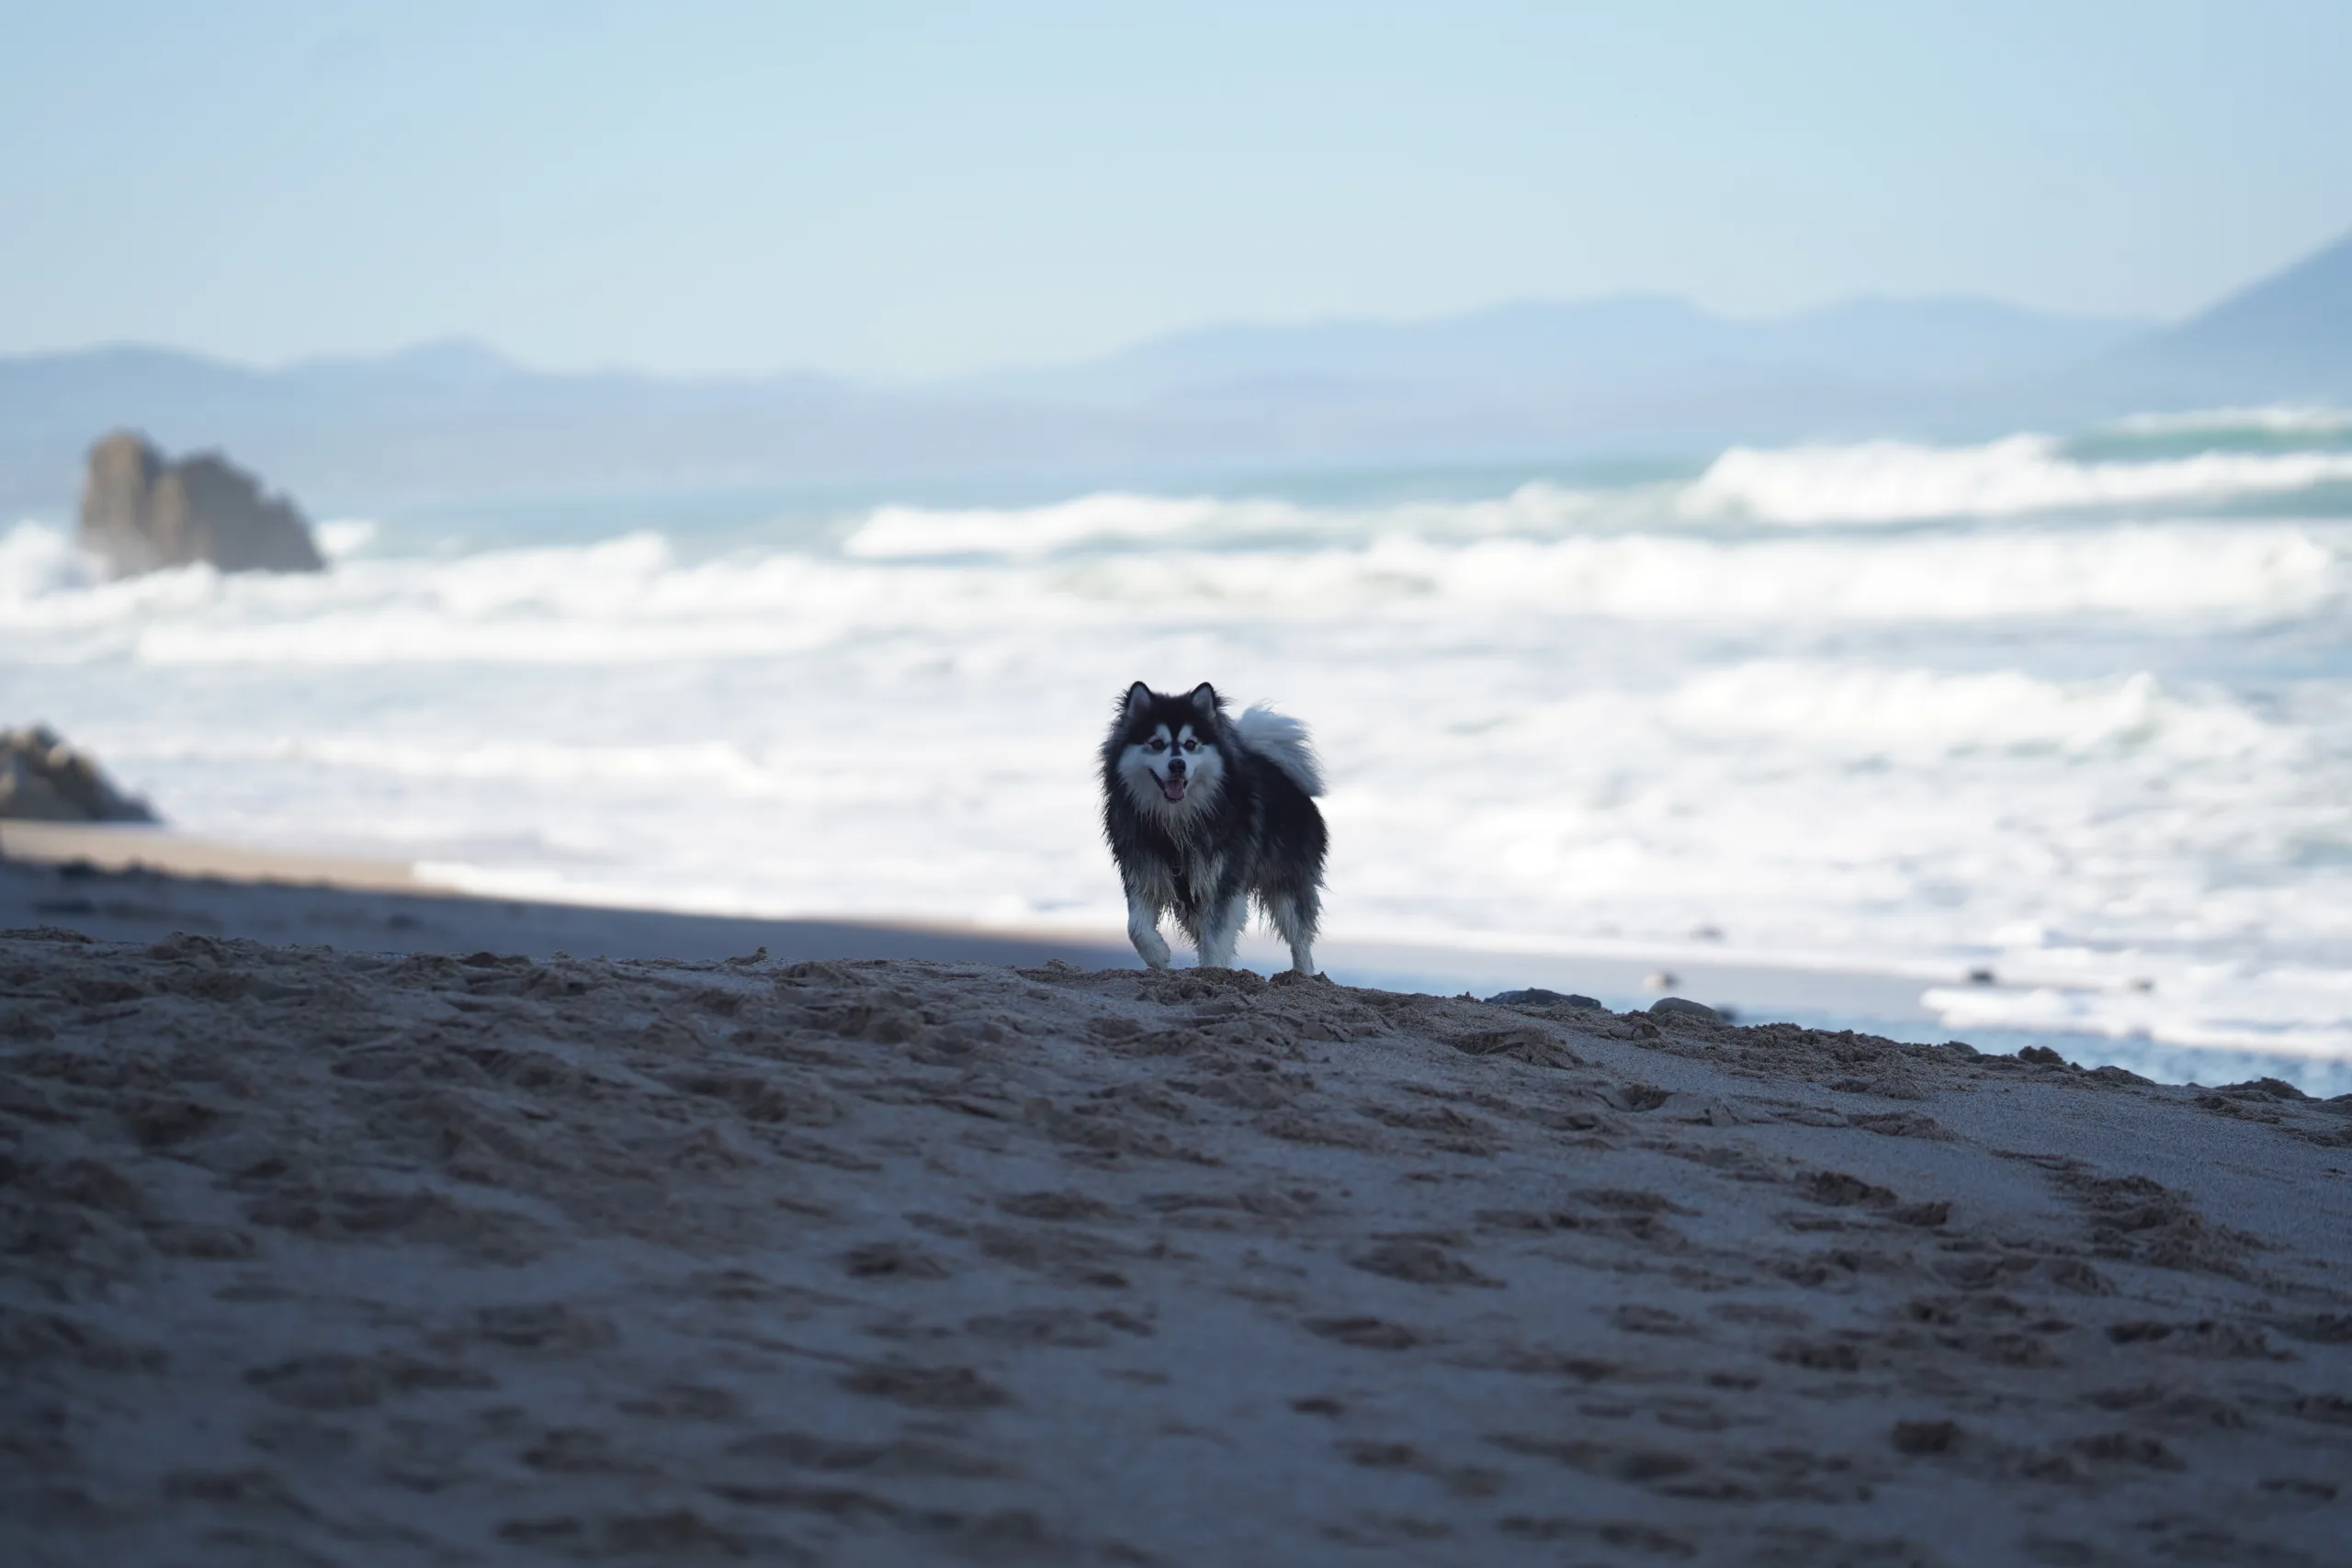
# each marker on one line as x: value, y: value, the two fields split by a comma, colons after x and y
x: 141, y: 512
x: 45, y: 780
x: 1536, y: 996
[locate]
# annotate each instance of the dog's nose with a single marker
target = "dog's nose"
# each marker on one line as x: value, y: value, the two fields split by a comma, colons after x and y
x: 1175, y: 767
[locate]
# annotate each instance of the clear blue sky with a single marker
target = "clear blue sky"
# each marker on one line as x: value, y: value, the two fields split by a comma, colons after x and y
x: 901, y: 190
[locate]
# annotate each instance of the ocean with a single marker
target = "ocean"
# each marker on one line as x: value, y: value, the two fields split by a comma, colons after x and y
x: 2070, y: 712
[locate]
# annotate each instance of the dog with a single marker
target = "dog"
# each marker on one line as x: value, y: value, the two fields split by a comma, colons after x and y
x: 1205, y: 812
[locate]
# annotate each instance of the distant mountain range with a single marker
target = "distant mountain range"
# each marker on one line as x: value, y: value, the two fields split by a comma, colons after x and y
x: 1645, y: 345
x: 1638, y: 374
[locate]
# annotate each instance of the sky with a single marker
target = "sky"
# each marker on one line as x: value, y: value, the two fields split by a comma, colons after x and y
x: 906, y: 192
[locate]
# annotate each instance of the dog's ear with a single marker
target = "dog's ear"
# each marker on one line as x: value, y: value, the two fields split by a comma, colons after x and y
x: 1204, y: 699
x: 1138, y: 700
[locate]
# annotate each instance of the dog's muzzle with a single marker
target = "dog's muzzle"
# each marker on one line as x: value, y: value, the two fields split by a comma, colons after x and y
x: 1173, y: 786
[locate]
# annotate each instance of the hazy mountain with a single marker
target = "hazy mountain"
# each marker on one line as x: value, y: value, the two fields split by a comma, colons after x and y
x: 1516, y: 382
x: 455, y: 418
x: 1640, y: 372
x: 2287, y: 339
x: 1642, y: 343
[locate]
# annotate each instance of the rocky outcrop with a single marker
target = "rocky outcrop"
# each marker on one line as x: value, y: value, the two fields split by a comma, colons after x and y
x: 141, y: 513
x: 44, y: 780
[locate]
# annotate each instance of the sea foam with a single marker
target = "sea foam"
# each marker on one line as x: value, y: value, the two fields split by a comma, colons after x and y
x: 1893, y: 481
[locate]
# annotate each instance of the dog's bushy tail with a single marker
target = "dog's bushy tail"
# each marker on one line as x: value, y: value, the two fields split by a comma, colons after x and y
x: 1283, y: 742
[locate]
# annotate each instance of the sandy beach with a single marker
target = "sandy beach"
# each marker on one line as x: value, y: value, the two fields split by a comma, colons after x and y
x: 326, y: 1256
x: 145, y: 884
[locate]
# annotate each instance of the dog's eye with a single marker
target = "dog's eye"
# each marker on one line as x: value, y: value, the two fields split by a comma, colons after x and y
x: 1191, y: 745
x: 1156, y: 745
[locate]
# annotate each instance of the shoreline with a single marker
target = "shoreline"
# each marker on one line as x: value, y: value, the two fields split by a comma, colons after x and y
x: 1742, y: 981
x: 142, y: 883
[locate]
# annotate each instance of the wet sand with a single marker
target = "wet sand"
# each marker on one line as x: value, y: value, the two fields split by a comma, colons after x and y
x: 351, y: 1256
x: 143, y: 885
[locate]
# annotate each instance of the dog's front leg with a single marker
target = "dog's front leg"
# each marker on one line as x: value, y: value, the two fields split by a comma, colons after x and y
x: 1143, y: 930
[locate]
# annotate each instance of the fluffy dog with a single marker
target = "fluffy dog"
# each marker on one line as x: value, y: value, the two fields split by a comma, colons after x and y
x: 1204, y: 813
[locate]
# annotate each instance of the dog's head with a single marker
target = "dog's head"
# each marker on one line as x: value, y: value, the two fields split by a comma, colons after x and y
x: 1166, y: 749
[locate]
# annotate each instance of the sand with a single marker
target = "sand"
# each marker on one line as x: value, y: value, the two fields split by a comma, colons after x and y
x: 317, y: 1256
x: 138, y: 884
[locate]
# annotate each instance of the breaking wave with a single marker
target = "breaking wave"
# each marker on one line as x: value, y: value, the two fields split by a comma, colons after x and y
x: 1893, y: 481
x: 2275, y: 419
x: 633, y: 600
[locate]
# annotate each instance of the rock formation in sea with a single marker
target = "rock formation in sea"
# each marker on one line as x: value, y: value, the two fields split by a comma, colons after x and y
x: 45, y: 780
x: 141, y: 512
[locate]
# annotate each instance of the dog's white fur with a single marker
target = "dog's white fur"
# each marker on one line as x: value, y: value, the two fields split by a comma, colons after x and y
x: 1282, y: 741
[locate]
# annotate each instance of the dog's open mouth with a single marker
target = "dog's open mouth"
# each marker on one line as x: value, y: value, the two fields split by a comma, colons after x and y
x: 1172, y: 789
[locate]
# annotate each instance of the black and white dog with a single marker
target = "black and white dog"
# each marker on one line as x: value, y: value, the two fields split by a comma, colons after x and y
x: 1204, y: 813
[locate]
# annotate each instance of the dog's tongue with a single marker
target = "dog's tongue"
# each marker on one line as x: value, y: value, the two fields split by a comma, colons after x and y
x: 1172, y: 789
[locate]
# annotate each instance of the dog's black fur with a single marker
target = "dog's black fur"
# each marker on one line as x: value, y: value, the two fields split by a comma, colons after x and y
x: 1241, y: 824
